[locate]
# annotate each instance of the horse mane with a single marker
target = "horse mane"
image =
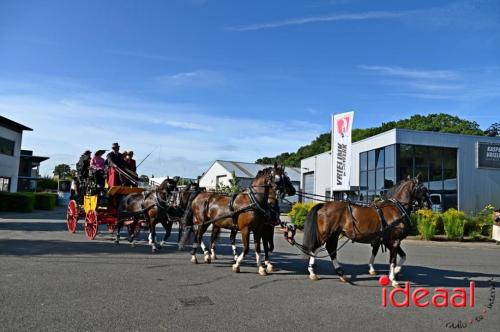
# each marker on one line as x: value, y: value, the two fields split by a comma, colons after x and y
x: 165, y: 183
x: 393, y: 190
x: 265, y: 171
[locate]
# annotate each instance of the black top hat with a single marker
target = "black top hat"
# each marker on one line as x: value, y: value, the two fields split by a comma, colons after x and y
x: 87, y: 152
x: 115, y: 145
x: 100, y: 152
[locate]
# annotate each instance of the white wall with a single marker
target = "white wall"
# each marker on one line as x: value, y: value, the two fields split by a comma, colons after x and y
x: 208, y: 180
x: 321, y: 166
x: 9, y: 165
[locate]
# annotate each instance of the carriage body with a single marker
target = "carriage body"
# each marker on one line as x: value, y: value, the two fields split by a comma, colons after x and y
x: 98, y: 210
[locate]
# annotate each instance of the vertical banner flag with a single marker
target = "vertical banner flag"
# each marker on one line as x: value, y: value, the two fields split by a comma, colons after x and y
x: 341, y: 150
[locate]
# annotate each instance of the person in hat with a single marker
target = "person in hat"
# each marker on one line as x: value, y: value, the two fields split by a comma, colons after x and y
x: 83, y: 165
x: 97, y: 167
x: 131, y: 168
x: 114, y: 161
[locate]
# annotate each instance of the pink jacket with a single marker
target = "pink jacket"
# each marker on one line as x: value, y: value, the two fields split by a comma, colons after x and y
x: 97, y: 162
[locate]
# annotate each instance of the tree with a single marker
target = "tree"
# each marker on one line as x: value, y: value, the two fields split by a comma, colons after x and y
x: 432, y: 122
x: 493, y: 130
x: 46, y: 183
x: 62, y: 171
x: 232, y: 188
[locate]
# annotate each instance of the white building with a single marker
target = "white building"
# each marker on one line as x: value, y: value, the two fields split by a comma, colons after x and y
x: 220, y: 172
x: 11, y: 134
x: 463, y: 169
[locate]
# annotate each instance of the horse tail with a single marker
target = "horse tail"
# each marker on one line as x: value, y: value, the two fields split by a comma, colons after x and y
x: 311, y: 237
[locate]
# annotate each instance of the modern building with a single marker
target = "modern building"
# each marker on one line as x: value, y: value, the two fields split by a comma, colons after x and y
x: 29, y: 170
x: 463, y: 169
x: 220, y: 172
x: 11, y: 134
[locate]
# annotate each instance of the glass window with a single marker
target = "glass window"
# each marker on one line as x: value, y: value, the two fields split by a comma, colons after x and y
x: 379, y: 179
x: 435, y: 169
x: 450, y: 169
x: 390, y: 178
x: 405, y: 161
x: 380, y: 158
x: 421, y: 156
x: 390, y: 156
x: 363, y: 195
x: 328, y: 194
x: 371, y: 180
x: 4, y: 184
x: 7, y: 146
x: 363, y: 159
x: 371, y: 159
x: 363, y: 180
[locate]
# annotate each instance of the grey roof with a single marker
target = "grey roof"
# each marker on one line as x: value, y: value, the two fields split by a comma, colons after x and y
x: 250, y: 170
x: 12, y: 125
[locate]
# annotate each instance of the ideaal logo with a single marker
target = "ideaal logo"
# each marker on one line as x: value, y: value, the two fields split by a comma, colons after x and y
x: 439, y: 297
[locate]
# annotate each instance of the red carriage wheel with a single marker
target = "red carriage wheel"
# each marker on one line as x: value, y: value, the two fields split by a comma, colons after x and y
x: 72, y: 216
x: 91, y: 224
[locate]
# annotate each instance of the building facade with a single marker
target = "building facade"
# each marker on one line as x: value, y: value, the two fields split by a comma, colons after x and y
x: 11, y: 134
x: 29, y: 170
x: 463, y: 170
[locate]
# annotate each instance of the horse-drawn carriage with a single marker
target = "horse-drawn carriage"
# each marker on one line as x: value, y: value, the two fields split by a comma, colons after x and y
x: 100, y: 209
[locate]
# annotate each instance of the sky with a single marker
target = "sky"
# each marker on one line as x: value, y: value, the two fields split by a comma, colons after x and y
x: 197, y: 80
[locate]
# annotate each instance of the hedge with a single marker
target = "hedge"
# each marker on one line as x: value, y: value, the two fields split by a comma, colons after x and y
x: 17, y: 202
x: 299, y: 213
x: 45, y: 201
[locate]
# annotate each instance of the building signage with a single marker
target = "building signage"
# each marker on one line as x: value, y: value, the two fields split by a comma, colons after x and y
x: 341, y: 150
x: 488, y: 155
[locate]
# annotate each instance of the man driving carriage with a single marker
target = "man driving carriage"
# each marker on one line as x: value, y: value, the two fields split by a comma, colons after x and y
x: 114, y: 161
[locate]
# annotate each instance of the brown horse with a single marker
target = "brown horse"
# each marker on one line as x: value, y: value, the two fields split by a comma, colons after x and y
x: 157, y: 206
x: 247, y: 211
x: 385, y: 222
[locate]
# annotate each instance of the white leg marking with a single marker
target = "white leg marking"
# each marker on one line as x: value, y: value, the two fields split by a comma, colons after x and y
x: 336, y: 264
x: 391, y: 273
x: 371, y: 269
x: 203, y: 246
x: 257, y: 258
x: 214, y: 256
x: 398, y: 267
x: 310, y: 268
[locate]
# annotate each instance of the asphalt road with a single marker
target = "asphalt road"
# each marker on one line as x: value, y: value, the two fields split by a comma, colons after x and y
x: 51, y: 280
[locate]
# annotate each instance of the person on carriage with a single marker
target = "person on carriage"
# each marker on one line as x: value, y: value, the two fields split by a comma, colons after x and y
x: 131, y: 168
x: 114, y: 161
x: 83, y: 165
x: 97, y: 168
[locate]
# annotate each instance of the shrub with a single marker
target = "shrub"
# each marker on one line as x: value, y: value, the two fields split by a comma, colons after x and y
x: 480, y: 223
x: 45, y: 201
x: 426, y: 221
x: 299, y: 212
x: 454, y: 224
x: 17, y: 202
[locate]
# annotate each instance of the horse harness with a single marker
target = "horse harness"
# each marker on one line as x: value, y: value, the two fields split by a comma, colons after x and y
x: 384, y: 226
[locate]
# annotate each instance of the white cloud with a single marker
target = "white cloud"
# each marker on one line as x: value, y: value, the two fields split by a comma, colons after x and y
x: 315, y: 19
x: 411, y: 73
x: 194, y: 78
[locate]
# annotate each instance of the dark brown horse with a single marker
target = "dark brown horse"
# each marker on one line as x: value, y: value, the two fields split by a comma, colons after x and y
x: 156, y: 206
x: 385, y: 222
x: 268, y: 229
x: 247, y: 211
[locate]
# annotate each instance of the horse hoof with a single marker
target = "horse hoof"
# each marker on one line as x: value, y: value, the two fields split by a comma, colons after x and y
x: 236, y: 268
x: 262, y: 271
x: 162, y: 243
x: 213, y: 257
x: 159, y: 247
x: 343, y: 279
x: 194, y: 260
x: 207, y: 259
x: 313, y: 277
x: 180, y: 248
x: 269, y: 268
x: 117, y: 242
x: 372, y: 272
x: 396, y: 284
x: 132, y: 244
